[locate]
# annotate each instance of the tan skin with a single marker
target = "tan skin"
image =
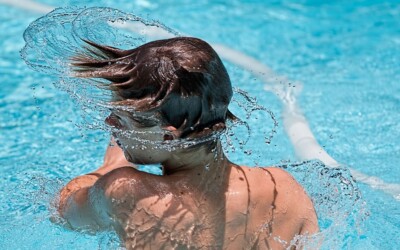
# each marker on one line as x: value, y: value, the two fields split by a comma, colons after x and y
x: 221, y: 206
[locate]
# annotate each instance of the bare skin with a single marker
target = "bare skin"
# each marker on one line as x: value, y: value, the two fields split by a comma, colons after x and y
x: 221, y: 206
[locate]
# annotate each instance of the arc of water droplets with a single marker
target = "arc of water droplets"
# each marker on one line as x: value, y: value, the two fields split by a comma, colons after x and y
x: 295, y: 123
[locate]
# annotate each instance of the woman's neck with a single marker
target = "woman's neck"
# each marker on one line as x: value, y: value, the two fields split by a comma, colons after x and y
x: 200, y: 167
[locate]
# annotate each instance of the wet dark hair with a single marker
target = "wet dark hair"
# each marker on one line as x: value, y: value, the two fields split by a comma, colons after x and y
x: 182, y: 79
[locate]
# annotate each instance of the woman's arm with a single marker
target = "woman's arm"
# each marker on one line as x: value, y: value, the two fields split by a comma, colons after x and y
x: 80, y: 202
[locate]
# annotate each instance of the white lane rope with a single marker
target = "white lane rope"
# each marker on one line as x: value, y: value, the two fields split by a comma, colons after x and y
x: 294, y: 121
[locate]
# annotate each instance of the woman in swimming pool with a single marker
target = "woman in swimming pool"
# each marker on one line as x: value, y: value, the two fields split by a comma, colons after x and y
x: 169, y: 92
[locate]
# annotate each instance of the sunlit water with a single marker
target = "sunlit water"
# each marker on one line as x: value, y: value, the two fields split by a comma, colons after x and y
x: 48, y: 138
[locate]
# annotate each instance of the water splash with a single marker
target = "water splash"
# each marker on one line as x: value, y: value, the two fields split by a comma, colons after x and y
x: 340, y: 207
x: 52, y: 40
x: 239, y: 133
x: 32, y: 209
x: 56, y: 37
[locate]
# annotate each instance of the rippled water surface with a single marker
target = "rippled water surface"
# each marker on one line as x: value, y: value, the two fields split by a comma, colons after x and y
x: 344, y: 53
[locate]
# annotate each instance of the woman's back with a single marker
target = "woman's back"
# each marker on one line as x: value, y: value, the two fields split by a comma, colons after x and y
x: 256, y: 207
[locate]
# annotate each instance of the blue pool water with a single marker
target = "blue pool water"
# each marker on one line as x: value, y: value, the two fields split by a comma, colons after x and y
x: 345, y: 54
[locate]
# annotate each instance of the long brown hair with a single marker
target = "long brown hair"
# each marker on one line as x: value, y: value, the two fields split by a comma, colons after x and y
x: 183, y: 79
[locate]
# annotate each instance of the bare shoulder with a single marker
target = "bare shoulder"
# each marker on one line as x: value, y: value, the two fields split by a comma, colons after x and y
x: 292, y: 199
x: 286, y: 196
x: 128, y: 185
x: 270, y: 178
x: 280, y: 180
x: 272, y: 184
x: 116, y: 183
x: 284, y: 182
